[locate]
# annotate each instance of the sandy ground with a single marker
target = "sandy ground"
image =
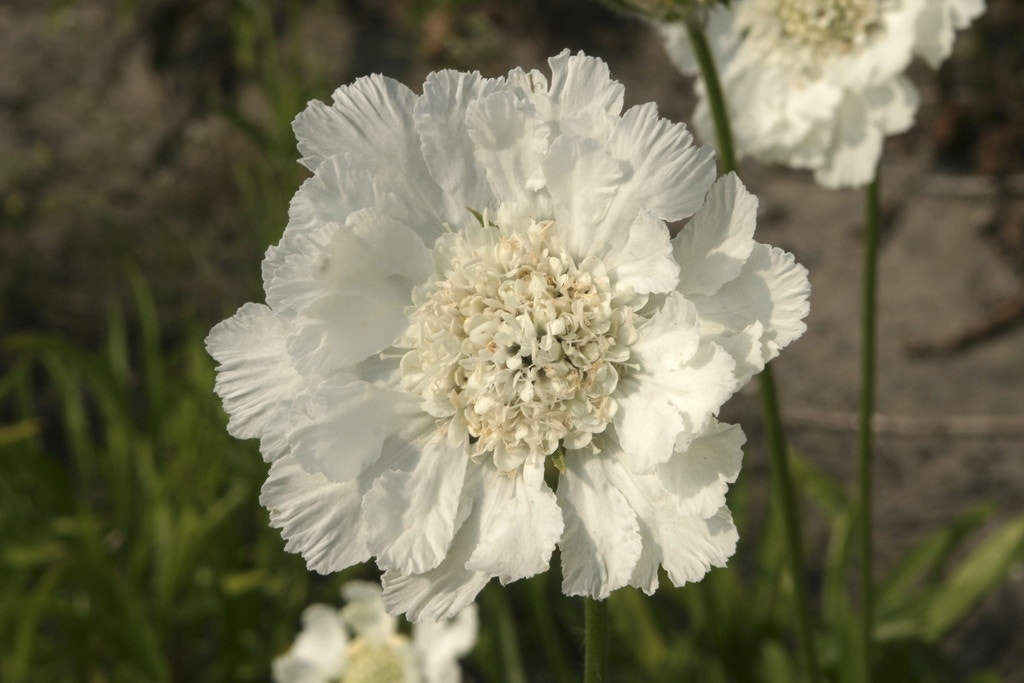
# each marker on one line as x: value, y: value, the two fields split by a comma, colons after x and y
x: 110, y: 154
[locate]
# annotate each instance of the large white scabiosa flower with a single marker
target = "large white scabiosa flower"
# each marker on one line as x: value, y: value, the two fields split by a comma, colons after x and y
x: 360, y: 643
x: 480, y: 343
x: 818, y: 84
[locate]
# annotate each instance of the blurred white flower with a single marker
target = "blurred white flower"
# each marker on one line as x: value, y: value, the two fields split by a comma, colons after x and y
x: 360, y: 643
x: 476, y: 295
x: 818, y: 84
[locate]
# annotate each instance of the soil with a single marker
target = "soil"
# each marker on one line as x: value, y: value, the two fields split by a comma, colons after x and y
x: 117, y: 157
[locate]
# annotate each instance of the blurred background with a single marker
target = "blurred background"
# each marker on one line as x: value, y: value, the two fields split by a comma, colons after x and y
x: 146, y: 163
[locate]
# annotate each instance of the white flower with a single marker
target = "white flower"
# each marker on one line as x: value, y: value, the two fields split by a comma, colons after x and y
x: 818, y: 84
x: 360, y: 643
x: 477, y: 295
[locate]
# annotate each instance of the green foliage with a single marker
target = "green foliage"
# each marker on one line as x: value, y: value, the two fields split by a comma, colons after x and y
x: 134, y: 546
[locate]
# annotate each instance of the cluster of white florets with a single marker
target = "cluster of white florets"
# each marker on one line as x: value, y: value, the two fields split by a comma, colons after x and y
x: 517, y: 346
x: 809, y: 33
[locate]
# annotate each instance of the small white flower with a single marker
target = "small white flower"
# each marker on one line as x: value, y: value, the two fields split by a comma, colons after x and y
x: 360, y: 643
x: 818, y: 84
x: 476, y: 296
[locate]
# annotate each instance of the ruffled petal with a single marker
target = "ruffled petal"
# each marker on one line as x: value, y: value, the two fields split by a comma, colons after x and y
x: 345, y: 288
x: 372, y: 119
x: 686, y: 546
x: 256, y: 378
x: 448, y: 588
x: 583, y: 179
x: 339, y: 430
x: 668, y: 175
x: 699, y: 475
x: 341, y: 186
x: 578, y: 84
x: 511, y: 140
x: 412, y: 514
x: 772, y: 289
x: 645, y: 263
x: 520, y: 523
x: 319, y: 519
x: 713, y: 247
x: 441, y: 120
x: 676, y: 389
x: 601, y: 542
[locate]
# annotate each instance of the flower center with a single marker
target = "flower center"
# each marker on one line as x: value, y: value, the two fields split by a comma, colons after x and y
x: 808, y: 33
x: 517, y: 345
x: 374, y: 662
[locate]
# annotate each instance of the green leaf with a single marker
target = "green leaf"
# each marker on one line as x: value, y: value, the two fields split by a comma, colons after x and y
x: 923, y: 563
x: 977, y: 575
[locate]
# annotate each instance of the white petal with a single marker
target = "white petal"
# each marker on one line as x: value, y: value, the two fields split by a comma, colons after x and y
x: 372, y: 119
x: 601, y: 542
x: 412, y: 514
x: 520, y: 523
x: 440, y: 643
x: 256, y: 378
x: 686, y: 546
x: 713, y: 247
x: 511, y: 139
x: 937, y: 24
x: 324, y: 521
x: 668, y: 174
x: 339, y: 431
x: 364, y: 611
x: 675, y: 391
x: 746, y: 349
x: 718, y: 30
x: 440, y: 116
x: 583, y: 179
x: 318, y: 652
x: 579, y: 83
x: 699, y: 475
x: 771, y: 289
x: 320, y: 519
x: 893, y: 104
x: 443, y: 591
x: 645, y: 263
x: 345, y: 288
x: 856, y: 148
x: 341, y: 185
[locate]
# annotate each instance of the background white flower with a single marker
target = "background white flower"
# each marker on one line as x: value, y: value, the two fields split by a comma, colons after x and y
x: 477, y: 295
x: 818, y: 84
x: 360, y: 643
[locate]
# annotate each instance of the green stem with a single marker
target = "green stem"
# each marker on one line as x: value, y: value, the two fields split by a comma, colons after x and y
x: 595, y: 640
x: 867, y: 399
x: 716, y: 98
x: 774, y: 433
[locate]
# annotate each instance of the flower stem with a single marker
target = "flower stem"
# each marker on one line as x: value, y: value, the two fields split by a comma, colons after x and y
x: 595, y: 640
x: 716, y: 99
x: 774, y: 433
x: 867, y: 400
